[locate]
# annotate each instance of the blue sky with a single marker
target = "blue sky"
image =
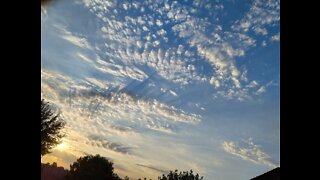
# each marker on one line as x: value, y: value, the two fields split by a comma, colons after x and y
x: 163, y: 85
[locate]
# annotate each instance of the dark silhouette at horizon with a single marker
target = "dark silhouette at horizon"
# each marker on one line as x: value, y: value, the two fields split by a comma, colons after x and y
x: 274, y: 174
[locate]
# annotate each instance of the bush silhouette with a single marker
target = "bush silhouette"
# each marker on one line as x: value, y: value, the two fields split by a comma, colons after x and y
x: 93, y: 168
x: 51, y: 124
x: 185, y: 175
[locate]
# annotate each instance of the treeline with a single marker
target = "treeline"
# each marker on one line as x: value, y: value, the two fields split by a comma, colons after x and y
x: 100, y: 168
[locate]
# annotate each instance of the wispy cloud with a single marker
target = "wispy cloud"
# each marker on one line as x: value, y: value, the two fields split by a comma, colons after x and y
x: 78, y: 41
x: 153, y: 168
x: 262, y: 13
x: 97, y: 140
x: 249, y: 151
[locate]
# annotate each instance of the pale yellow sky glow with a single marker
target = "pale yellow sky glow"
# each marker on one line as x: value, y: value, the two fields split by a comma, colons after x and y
x: 62, y: 146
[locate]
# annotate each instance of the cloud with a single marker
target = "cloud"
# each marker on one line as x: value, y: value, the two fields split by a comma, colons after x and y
x: 259, y: 30
x: 126, y: 6
x: 113, y: 103
x: 99, y: 141
x: 262, y: 14
x: 261, y: 90
x: 159, y: 22
x: 252, y: 84
x: 264, y: 43
x: 248, y: 151
x: 134, y: 42
x: 78, y: 41
x: 153, y: 168
x: 215, y: 82
x: 275, y: 37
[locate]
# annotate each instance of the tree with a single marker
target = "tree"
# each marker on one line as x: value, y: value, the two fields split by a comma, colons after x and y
x: 44, y: 2
x: 92, y: 167
x: 185, y: 175
x: 51, y: 124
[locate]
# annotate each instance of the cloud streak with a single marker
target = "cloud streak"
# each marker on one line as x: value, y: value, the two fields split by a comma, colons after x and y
x: 153, y: 168
x: 97, y: 140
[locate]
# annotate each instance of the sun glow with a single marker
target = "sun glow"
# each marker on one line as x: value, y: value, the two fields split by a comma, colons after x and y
x: 61, y: 146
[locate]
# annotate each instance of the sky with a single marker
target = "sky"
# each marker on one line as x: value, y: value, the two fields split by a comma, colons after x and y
x: 158, y: 85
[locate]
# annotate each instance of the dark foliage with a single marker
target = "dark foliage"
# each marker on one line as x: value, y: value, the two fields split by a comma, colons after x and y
x: 92, y: 167
x: 185, y: 175
x: 51, y: 124
x: 43, y: 2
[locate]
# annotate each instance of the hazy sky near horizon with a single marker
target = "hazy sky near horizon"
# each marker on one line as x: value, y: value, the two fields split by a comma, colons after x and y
x: 163, y: 85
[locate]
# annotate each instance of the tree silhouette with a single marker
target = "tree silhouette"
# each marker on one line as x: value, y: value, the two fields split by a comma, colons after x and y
x: 92, y: 167
x: 185, y: 175
x: 51, y: 124
x: 44, y: 2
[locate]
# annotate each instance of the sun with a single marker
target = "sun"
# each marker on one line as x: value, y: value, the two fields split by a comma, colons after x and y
x: 61, y: 146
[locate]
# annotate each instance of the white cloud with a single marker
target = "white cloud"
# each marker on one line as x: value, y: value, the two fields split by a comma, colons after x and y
x: 225, y: 68
x: 136, y: 5
x: 261, y: 90
x: 142, y: 9
x: 126, y: 6
x: 113, y: 105
x: 145, y: 28
x: 215, y: 82
x: 173, y: 93
x: 262, y: 31
x: 161, y: 32
x: 264, y: 43
x: 261, y: 15
x: 141, y: 21
x: 84, y: 57
x: 124, y: 37
x: 275, y: 37
x: 156, y: 43
x: 245, y: 25
x: 159, y: 23
x: 248, y: 151
x: 78, y: 41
